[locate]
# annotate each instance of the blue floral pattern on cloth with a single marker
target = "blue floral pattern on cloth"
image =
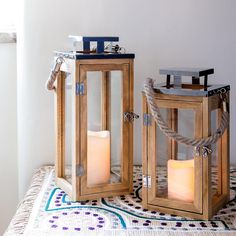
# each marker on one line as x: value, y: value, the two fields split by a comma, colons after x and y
x: 58, y: 212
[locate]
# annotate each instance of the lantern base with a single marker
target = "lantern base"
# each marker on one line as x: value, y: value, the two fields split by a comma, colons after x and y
x: 67, y: 187
x: 170, y: 202
x: 217, y: 203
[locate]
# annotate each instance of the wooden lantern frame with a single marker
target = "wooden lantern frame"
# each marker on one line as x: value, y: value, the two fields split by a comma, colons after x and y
x: 78, y: 68
x: 204, y: 205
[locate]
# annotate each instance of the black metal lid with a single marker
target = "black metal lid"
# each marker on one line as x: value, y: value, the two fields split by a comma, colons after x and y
x: 80, y: 55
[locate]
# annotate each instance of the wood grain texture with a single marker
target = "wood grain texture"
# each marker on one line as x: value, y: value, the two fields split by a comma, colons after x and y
x: 74, y: 68
x: 153, y: 160
x: 207, y: 195
x: 106, y: 100
x: 226, y: 157
x: 144, y: 151
x: 131, y: 125
x: 104, y: 62
x: 198, y: 162
x: 58, y: 126
x: 60, y: 123
x: 172, y: 118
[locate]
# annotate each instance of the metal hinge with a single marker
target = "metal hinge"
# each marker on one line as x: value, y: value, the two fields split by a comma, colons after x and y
x: 147, y: 181
x: 79, y: 170
x: 147, y: 119
x: 79, y: 89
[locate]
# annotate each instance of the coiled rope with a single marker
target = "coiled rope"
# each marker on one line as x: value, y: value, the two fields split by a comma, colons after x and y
x: 201, y: 145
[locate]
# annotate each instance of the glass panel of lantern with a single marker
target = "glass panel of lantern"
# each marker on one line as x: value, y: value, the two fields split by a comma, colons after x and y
x: 104, y: 122
x: 175, y: 161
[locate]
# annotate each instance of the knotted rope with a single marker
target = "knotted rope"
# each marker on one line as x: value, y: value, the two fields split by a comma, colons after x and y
x: 54, y: 72
x: 201, y: 144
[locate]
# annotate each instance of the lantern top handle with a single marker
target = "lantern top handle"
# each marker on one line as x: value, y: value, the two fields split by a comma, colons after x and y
x: 95, y: 47
x: 100, y: 40
x: 195, y: 88
x: 195, y: 73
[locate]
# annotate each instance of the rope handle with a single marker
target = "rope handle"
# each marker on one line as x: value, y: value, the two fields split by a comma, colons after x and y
x: 201, y: 145
x: 54, y: 72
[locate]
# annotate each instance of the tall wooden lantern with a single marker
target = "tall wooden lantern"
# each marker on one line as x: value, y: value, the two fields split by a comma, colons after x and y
x: 94, y: 115
x: 186, y: 144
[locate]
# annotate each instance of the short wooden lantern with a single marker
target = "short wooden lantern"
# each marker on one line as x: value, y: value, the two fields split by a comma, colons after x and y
x: 94, y: 115
x: 185, y: 170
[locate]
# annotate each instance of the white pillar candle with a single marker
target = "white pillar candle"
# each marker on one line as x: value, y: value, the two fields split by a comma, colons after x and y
x: 98, y: 157
x: 181, y: 180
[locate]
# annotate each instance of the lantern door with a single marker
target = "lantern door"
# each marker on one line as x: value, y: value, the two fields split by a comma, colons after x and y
x: 172, y: 176
x: 104, y: 138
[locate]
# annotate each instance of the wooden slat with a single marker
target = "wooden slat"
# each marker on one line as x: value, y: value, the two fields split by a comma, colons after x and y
x: 83, y: 128
x: 131, y: 124
x: 177, y: 97
x: 177, y: 104
x: 207, y: 196
x: 176, y: 212
x: 226, y: 158
x: 105, y: 189
x: 103, y: 67
x: 106, y: 99
x: 104, y: 61
x: 223, y: 189
x: 153, y: 160
x: 74, y: 69
x: 125, y: 106
x: 198, y: 164
x: 59, y: 128
x: 62, y: 95
x: 172, y: 118
x: 174, y: 204
x: 168, y: 140
x: 174, y: 126
x: 144, y: 151
x: 219, y: 157
x: 92, y: 195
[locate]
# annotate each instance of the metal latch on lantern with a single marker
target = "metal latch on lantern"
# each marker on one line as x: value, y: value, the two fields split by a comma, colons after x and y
x: 79, y: 88
x: 147, y: 181
x: 147, y: 119
x: 129, y: 116
x: 79, y: 170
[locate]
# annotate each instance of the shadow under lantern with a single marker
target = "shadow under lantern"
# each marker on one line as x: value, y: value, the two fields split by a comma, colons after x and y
x: 185, y: 170
x: 94, y: 116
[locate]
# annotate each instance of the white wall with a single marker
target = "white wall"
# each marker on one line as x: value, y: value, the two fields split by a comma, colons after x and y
x: 160, y: 32
x: 8, y: 135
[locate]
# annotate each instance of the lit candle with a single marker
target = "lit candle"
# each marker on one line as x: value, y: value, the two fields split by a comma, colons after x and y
x: 98, y: 157
x: 181, y: 180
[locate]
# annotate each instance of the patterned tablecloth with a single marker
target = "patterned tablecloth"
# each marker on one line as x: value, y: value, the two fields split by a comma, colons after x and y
x: 47, y: 210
